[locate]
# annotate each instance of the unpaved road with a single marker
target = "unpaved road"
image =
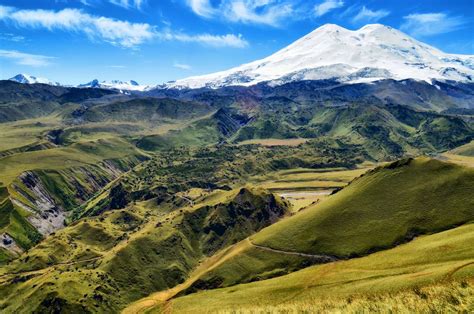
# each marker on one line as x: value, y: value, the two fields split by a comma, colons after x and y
x: 319, y: 257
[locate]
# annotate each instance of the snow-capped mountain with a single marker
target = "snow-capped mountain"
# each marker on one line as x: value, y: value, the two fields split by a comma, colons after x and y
x: 371, y: 53
x: 30, y: 79
x: 115, y: 84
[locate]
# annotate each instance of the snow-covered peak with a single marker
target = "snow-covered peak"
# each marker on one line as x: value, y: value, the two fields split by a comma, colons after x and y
x: 115, y: 84
x: 370, y: 53
x: 122, y: 86
x: 30, y: 79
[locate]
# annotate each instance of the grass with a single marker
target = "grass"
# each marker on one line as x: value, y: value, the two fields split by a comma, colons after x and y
x: 420, y: 275
x: 78, y: 154
x: 379, y: 209
x: 383, y: 208
x: 464, y: 150
x: 275, y: 142
x: 67, y: 175
x: 135, y: 251
x: 467, y: 161
x: 305, y: 187
x: 25, y: 132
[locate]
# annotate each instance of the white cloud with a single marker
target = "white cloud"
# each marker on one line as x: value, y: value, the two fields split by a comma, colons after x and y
x: 5, y: 11
x: 229, y: 40
x: 26, y: 58
x: 201, y: 7
x: 369, y: 16
x: 258, y: 12
x: 326, y: 6
x: 182, y: 66
x: 428, y: 24
x: 117, y: 32
x: 129, y: 4
x: 268, y: 12
x: 86, y: 3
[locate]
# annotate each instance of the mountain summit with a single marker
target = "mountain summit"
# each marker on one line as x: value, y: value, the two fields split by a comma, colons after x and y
x: 115, y: 84
x: 30, y: 79
x: 370, y: 53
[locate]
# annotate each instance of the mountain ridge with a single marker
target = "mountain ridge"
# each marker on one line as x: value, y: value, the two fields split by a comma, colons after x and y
x: 371, y: 53
x: 130, y: 85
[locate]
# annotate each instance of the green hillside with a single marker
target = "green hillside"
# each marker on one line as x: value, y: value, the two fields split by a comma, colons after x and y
x: 42, y: 187
x: 103, y: 263
x: 465, y: 150
x: 381, y: 209
x: 110, y: 200
x: 386, y: 206
x: 430, y: 274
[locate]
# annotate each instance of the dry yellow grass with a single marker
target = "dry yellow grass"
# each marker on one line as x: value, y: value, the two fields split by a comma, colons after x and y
x: 467, y: 161
x: 275, y: 142
x: 457, y: 296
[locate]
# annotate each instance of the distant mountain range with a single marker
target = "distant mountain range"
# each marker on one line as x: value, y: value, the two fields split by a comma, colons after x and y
x: 372, y: 53
x: 114, y: 84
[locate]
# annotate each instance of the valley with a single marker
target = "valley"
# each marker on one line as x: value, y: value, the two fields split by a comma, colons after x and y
x: 289, y: 184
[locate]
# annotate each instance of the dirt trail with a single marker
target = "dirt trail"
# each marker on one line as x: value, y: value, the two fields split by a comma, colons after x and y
x: 163, y: 297
x: 450, y: 275
x: 319, y: 257
x: 190, y: 201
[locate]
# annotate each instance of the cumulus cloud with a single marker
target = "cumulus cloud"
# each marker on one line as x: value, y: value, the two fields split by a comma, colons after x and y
x: 327, y: 6
x: 366, y: 15
x: 26, y: 58
x: 428, y: 24
x: 116, y: 32
x: 268, y: 12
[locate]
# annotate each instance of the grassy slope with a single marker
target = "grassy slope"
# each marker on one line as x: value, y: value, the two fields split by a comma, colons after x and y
x: 25, y: 132
x: 65, y: 157
x: 384, y: 131
x: 70, y: 174
x: 382, y: 281
x: 382, y: 208
x: 136, y: 251
x: 379, y: 209
x: 465, y: 150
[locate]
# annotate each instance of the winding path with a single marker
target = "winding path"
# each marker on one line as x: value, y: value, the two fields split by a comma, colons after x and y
x: 163, y: 297
x: 321, y: 258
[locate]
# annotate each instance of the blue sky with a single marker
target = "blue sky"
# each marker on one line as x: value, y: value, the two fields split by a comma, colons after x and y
x: 75, y: 41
